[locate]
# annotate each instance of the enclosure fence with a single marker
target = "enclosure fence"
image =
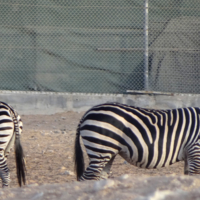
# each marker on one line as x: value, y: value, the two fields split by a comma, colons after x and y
x: 107, y: 46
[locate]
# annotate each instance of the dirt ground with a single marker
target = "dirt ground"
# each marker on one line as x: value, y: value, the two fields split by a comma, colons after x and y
x: 48, y: 143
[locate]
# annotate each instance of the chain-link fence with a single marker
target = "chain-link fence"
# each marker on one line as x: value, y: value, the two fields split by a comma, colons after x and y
x: 100, y: 46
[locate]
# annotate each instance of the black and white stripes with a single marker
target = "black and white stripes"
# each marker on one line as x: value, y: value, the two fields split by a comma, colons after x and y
x: 10, y: 130
x: 146, y: 138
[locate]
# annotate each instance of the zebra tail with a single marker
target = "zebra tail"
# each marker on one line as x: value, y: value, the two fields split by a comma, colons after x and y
x: 78, y: 156
x: 20, y: 164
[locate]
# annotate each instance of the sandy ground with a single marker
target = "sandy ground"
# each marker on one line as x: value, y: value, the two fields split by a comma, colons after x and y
x: 48, y: 142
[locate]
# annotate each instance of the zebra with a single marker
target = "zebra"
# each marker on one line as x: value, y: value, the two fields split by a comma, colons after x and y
x: 10, y: 129
x: 146, y: 138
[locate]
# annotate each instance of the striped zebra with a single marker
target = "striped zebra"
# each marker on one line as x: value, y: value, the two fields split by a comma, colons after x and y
x: 146, y: 138
x: 10, y: 130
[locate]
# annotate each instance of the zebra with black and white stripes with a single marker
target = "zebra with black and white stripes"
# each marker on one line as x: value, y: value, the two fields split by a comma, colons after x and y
x: 146, y: 138
x: 10, y: 131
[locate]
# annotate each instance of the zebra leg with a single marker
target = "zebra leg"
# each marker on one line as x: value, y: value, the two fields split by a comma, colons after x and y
x: 106, y: 170
x: 5, y: 177
x: 96, y: 166
x: 4, y: 171
x: 192, y: 160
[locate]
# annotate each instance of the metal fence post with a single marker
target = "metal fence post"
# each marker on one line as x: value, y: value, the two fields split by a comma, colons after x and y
x: 146, y: 48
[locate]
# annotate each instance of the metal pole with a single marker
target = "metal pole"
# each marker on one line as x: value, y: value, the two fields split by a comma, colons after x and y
x: 146, y: 43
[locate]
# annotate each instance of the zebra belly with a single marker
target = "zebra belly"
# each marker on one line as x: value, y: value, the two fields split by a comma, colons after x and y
x: 134, y: 159
x: 154, y: 163
x: 142, y: 165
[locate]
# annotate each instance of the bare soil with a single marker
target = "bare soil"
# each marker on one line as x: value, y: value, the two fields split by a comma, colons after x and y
x: 48, y: 143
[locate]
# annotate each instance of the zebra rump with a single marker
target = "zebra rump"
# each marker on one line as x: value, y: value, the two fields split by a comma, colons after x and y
x: 10, y: 130
x: 146, y: 138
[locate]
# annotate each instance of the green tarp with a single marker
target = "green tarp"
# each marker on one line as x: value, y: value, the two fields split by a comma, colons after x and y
x: 87, y: 46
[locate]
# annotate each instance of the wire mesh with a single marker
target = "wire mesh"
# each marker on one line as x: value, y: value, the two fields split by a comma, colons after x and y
x: 92, y: 46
